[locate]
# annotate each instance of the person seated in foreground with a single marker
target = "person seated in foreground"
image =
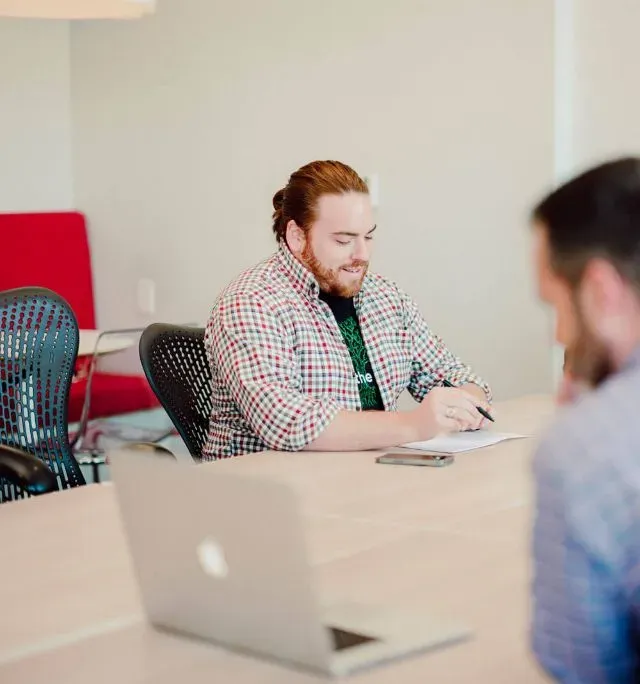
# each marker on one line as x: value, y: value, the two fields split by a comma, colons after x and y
x: 587, y: 468
x: 310, y: 351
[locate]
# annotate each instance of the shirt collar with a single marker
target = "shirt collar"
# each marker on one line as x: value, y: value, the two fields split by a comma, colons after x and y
x: 633, y: 360
x: 301, y: 277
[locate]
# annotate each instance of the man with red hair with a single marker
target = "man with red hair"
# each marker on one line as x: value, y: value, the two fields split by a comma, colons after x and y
x: 310, y: 351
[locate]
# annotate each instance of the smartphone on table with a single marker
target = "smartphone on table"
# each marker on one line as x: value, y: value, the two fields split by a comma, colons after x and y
x: 407, y: 458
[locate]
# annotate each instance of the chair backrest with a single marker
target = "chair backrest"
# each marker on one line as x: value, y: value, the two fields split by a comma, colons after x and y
x: 38, y: 348
x: 176, y: 366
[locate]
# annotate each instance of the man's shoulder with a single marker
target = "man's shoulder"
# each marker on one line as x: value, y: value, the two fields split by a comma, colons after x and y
x: 253, y: 279
x: 377, y: 282
x: 260, y: 298
x: 599, y: 431
x: 261, y: 284
x: 385, y: 289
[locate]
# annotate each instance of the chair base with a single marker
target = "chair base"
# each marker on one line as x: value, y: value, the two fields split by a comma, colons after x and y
x: 93, y: 458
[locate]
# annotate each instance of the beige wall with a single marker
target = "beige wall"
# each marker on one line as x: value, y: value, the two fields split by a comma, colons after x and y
x: 186, y: 123
x: 606, y: 100
x: 597, y: 103
x: 35, y: 144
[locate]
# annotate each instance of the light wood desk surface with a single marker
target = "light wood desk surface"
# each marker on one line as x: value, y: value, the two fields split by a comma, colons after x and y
x: 451, y: 541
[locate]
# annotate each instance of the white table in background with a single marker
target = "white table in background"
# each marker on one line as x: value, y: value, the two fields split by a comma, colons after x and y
x: 108, y: 344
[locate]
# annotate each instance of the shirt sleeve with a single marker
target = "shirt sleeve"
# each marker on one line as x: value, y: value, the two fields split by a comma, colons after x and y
x: 258, y: 366
x: 432, y: 361
x: 583, y: 629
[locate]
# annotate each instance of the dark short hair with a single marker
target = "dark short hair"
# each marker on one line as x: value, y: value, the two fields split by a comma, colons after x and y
x: 298, y: 200
x: 595, y: 214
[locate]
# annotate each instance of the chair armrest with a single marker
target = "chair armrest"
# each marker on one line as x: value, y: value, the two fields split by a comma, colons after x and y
x: 26, y: 471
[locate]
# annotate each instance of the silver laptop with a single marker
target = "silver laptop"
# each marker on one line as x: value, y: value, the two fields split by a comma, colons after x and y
x: 223, y: 557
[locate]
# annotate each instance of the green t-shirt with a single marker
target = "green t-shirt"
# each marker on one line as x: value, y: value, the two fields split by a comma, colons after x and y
x: 347, y: 319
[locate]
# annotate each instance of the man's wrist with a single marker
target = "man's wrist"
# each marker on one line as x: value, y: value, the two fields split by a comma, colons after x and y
x: 475, y: 390
x: 413, y: 426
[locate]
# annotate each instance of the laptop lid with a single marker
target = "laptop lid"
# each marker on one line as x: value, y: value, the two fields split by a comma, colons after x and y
x: 221, y: 557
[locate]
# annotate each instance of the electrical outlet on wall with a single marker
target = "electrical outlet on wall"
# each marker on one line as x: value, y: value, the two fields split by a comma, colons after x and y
x: 146, y: 296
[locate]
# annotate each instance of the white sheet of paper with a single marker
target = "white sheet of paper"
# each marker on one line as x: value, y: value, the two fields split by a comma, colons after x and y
x: 462, y: 441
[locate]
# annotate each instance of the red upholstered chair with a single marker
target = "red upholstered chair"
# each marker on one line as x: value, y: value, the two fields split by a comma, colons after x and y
x: 52, y: 250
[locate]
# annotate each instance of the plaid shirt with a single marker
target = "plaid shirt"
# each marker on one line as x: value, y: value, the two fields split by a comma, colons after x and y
x: 281, y: 370
x: 587, y: 537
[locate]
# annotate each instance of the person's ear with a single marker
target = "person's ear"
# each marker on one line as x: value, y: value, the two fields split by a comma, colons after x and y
x: 295, y: 237
x: 603, y: 295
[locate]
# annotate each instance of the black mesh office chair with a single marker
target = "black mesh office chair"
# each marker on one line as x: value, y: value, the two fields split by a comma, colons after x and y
x: 38, y: 348
x: 176, y: 366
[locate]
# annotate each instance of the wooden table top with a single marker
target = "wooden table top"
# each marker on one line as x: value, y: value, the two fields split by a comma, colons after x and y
x: 452, y: 541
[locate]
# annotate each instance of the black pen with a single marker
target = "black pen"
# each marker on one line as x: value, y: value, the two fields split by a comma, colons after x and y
x: 481, y: 411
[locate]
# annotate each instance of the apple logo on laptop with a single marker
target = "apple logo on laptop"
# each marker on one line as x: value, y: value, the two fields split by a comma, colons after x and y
x: 212, y: 559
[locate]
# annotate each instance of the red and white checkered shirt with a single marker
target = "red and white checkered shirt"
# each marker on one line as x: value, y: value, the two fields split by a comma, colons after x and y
x: 282, y: 371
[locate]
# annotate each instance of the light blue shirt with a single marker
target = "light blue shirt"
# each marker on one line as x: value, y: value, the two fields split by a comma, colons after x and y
x: 587, y: 537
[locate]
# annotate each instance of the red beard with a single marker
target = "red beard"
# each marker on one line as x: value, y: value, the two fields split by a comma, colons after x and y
x: 328, y: 279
